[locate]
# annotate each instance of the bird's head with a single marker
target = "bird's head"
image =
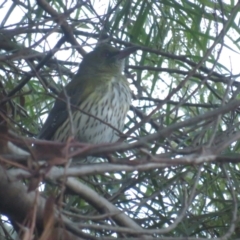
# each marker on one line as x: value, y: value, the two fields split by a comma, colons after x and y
x: 105, y: 59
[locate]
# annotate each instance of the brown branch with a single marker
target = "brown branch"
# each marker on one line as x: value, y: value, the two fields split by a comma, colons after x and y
x: 17, y: 203
x: 38, y: 67
x: 60, y: 19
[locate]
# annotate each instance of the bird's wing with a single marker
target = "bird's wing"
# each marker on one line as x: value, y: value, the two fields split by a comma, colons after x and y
x: 56, y: 117
x: 77, y: 92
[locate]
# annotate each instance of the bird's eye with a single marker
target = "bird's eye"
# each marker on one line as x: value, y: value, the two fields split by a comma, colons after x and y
x: 106, y: 54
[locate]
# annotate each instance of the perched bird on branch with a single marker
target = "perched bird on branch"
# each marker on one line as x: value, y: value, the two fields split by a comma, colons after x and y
x: 94, y: 105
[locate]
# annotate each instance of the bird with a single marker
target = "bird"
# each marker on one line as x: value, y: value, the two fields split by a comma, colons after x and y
x: 99, y: 97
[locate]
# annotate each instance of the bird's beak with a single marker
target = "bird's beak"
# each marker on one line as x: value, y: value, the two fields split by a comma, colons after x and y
x: 126, y: 52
